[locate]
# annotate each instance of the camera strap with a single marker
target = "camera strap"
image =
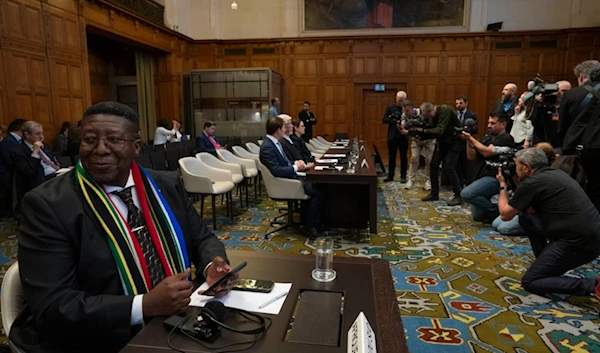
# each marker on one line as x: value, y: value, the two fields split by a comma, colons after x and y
x: 593, y: 91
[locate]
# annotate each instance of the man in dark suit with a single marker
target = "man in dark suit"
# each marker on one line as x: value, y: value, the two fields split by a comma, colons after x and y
x: 292, y: 152
x: 572, y: 105
x: 32, y: 160
x: 309, y: 120
x: 463, y: 167
x: 206, y: 142
x: 274, y: 158
x: 13, y: 138
x: 507, y: 103
x: 81, y: 294
x: 397, y: 138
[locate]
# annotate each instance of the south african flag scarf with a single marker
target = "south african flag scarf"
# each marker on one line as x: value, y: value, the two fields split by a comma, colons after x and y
x: 162, y: 225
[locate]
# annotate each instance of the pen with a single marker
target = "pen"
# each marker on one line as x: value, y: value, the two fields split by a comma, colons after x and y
x: 270, y: 301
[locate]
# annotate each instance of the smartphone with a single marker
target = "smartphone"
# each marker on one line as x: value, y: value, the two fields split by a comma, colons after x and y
x: 254, y: 285
x: 225, y: 278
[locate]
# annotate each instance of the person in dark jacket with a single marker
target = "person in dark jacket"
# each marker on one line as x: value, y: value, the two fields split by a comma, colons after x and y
x: 309, y: 120
x: 296, y: 137
x: 61, y: 143
x: 207, y: 142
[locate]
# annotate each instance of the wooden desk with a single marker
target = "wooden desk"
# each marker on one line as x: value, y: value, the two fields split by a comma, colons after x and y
x: 350, y: 199
x: 367, y: 286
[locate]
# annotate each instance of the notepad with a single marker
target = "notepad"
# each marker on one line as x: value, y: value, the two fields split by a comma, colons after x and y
x: 334, y: 155
x: 249, y: 301
x: 326, y: 160
x: 322, y: 167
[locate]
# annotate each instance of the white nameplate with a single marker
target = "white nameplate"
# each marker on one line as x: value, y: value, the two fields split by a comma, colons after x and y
x: 361, y: 338
x: 364, y: 163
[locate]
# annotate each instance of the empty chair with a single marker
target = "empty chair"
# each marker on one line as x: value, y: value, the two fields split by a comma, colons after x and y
x: 173, y: 145
x: 236, y: 170
x: 158, y: 160
x: 243, y: 153
x: 144, y: 161
x: 172, y: 156
x: 147, y: 148
x: 259, y: 142
x: 283, y: 189
x: 202, y: 179
x: 323, y: 141
x: 249, y: 169
x: 252, y: 147
x: 185, y: 151
x: 13, y: 298
x: 323, y: 145
x: 313, y: 151
x: 317, y: 147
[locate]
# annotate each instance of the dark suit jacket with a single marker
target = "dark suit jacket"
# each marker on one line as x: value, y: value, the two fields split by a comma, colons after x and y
x: 75, y: 299
x: 304, y: 151
x: 29, y: 170
x: 291, y: 151
x: 274, y: 161
x: 6, y: 145
x: 204, y: 144
x: 568, y: 110
x: 445, y: 122
x: 468, y: 115
x: 392, y: 125
x: 309, y: 120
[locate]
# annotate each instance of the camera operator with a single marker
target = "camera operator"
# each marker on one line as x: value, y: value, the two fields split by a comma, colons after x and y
x: 564, y: 231
x: 397, y: 138
x: 447, y: 148
x: 485, y: 186
x: 544, y: 113
x: 577, y: 134
x: 420, y: 144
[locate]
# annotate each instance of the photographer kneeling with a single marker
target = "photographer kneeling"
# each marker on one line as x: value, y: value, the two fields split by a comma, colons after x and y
x: 564, y: 215
x: 480, y: 192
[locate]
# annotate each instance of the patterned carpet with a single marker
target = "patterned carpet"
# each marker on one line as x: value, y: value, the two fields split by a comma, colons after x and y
x: 457, y: 281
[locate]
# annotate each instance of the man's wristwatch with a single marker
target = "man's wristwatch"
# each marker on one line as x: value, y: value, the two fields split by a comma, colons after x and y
x: 502, y: 188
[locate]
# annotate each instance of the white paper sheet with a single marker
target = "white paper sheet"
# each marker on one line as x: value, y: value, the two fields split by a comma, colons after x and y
x: 322, y: 167
x: 333, y: 160
x: 338, y: 147
x: 334, y: 155
x: 249, y: 301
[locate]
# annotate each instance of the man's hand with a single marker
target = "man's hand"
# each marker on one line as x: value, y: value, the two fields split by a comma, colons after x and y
x: 216, y: 270
x: 526, y: 144
x: 310, y: 165
x: 300, y: 165
x: 465, y: 136
x: 500, y: 177
x: 37, y: 146
x: 417, y: 129
x: 171, y: 296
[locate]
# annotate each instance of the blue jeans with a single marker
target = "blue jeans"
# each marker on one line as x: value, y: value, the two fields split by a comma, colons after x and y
x: 479, y: 194
x: 511, y: 227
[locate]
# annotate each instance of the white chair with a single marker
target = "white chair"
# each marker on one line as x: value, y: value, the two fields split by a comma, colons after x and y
x: 200, y: 178
x: 313, y: 151
x: 249, y: 169
x: 259, y: 142
x: 13, y: 298
x: 253, y: 148
x: 322, y: 140
x: 282, y: 189
x: 236, y: 170
x: 322, y: 144
x: 317, y: 146
x: 243, y: 153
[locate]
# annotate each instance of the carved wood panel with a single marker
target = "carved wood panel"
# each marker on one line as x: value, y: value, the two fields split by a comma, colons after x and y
x: 333, y: 112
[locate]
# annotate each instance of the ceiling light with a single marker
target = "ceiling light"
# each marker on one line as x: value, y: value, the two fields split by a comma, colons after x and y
x: 234, y: 5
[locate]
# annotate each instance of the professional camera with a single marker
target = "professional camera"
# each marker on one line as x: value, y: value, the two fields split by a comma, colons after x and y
x: 506, y: 161
x: 548, y: 91
x: 396, y: 117
x: 416, y: 121
x: 469, y: 126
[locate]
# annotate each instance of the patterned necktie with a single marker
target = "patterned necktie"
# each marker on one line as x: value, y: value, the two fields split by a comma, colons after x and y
x: 138, y: 227
x: 47, y: 160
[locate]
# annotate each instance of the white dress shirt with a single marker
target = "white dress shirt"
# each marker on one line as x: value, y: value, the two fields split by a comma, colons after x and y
x: 17, y: 137
x: 162, y: 135
x: 48, y: 170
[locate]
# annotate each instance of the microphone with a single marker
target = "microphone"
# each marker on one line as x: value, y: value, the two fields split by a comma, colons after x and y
x: 361, y: 338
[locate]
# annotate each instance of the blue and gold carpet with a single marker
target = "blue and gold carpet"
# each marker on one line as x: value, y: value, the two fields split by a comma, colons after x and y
x: 457, y: 281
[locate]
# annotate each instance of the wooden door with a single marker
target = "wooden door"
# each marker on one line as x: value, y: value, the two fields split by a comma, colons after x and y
x: 373, y: 129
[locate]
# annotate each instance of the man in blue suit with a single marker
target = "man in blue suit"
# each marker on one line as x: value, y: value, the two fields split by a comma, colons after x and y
x: 13, y: 138
x: 206, y: 142
x: 273, y: 157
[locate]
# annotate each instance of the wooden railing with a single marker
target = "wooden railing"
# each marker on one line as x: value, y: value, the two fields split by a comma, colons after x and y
x: 148, y: 9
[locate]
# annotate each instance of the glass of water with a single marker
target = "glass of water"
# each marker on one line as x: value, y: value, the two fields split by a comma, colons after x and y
x: 323, y: 271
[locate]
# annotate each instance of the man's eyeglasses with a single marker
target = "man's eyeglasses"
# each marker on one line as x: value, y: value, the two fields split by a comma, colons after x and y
x: 113, y: 143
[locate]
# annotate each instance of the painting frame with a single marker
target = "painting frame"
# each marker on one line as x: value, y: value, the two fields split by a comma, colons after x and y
x: 463, y: 28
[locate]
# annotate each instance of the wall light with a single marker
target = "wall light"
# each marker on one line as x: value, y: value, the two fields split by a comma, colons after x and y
x: 234, y: 5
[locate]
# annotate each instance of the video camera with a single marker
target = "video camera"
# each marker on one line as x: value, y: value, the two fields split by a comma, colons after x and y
x: 416, y: 121
x: 469, y: 126
x: 548, y: 90
x: 506, y: 161
x: 396, y: 117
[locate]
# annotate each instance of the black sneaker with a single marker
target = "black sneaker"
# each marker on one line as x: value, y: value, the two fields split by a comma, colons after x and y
x: 430, y: 197
x: 388, y: 179
x: 455, y: 201
x: 403, y: 180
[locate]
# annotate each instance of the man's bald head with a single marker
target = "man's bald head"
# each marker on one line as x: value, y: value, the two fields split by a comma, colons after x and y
x: 400, y: 97
x: 563, y: 86
x: 509, y: 91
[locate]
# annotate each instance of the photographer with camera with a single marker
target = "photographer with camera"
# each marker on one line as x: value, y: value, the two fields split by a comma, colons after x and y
x: 564, y: 231
x: 397, y: 138
x: 420, y: 144
x: 578, y: 128
x: 443, y: 121
x: 485, y: 186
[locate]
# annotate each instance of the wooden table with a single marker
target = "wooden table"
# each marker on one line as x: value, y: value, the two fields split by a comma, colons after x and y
x: 350, y: 198
x: 367, y: 286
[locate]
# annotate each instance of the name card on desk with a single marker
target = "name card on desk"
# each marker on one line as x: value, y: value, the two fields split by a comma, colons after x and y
x: 333, y: 160
x: 334, y: 155
x: 361, y: 338
x: 338, y: 147
x: 362, y: 148
x: 322, y: 167
x: 364, y: 163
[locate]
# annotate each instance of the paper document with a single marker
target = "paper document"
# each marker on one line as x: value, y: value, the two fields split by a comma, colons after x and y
x: 322, y: 167
x: 249, y: 301
x: 334, y: 155
x: 339, y: 147
x: 333, y: 160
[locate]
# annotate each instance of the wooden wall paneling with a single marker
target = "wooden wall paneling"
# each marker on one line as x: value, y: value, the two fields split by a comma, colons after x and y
x: 98, y: 74
x: 306, y: 66
x: 334, y: 110
x: 301, y: 91
x: 4, y: 116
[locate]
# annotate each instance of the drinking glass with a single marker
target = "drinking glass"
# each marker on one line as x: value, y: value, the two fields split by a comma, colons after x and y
x: 324, y: 271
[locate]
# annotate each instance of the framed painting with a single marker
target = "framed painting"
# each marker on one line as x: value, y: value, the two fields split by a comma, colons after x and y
x: 366, y: 15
